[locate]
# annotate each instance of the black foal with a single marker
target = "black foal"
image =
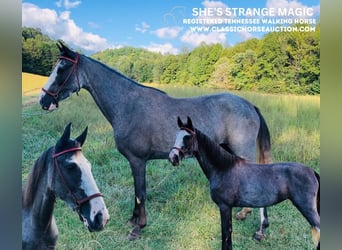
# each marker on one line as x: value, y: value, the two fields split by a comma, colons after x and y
x: 237, y: 183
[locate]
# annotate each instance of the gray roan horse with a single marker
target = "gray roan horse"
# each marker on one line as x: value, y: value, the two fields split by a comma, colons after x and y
x: 142, y: 118
x: 235, y: 182
x: 61, y: 171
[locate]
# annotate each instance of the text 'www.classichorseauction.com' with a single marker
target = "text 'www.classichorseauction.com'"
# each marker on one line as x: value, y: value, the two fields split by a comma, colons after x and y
x: 252, y: 20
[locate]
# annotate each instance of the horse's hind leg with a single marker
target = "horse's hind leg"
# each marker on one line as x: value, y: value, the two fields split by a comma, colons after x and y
x: 316, y: 236
x: 309, y: 210
x: 241, y: 215
x: 261, y: 233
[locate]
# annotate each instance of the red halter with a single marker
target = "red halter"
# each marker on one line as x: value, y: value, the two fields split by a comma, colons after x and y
x: 193, y: 133
x: 54, y: 95
x: 78, y: 202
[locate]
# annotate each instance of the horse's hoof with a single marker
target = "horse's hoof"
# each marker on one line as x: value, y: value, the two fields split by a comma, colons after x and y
x: 132, y: 222
x: 134, y: 233
x: 258, y: 236
x: 129, y: 223
x: 243, y: 213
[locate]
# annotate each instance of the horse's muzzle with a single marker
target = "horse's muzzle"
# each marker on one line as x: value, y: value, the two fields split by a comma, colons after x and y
x: 98, y: 224
x: 174, y: 158
x: 47, y: 102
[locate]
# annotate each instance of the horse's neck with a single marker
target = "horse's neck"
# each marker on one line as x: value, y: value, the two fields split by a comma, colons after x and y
x: 43, y: 206
x: 211, y: 156
x: 110, y: 90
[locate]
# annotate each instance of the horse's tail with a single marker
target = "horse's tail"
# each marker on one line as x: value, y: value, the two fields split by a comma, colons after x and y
x: 319, y: 191
x: 264, y: 140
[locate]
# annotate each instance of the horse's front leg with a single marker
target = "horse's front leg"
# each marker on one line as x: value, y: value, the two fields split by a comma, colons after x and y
x: 226, y: 227
x: 138, y: 219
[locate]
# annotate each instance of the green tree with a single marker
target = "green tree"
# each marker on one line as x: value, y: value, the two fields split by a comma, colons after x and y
x: 170, y: 68
x: 201, y: 63
x: 39, y: 52
x: 221, y: 76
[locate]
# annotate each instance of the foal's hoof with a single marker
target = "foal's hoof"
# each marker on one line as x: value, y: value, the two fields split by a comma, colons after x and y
x: 259, y: 236
x: 243, y: 213
x: 129, y: 223
x: 134, y: 233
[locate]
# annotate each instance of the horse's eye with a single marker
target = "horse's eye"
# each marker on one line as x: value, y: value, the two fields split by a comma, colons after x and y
x: 60, y: 70
x: 187, y: 140
x: 71, y: 166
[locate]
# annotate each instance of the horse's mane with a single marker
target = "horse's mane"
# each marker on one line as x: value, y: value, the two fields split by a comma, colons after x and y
x: 124, y: 76
x: 222, y: 156
x: 30, y: 190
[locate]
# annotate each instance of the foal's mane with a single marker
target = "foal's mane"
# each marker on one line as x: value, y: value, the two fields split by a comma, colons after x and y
x: 31, y: 186
x: 221, y: 156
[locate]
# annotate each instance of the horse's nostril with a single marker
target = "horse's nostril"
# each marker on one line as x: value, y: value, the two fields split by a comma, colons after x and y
x: 175, y: 160
x: 98, y: 220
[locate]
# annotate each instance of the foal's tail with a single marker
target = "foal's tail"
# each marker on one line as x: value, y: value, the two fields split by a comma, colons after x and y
x: 264, y: 140
x: 319, y: 191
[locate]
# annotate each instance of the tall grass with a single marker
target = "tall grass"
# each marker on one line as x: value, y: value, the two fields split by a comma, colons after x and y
x: 181, y: 214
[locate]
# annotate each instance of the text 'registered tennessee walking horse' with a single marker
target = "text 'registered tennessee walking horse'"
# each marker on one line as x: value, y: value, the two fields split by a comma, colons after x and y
x: 235, y: 182
x: 61, y: 171
x: 142, y: 117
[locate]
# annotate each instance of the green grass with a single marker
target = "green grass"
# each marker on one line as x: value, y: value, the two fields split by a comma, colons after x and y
x: 180, y: 212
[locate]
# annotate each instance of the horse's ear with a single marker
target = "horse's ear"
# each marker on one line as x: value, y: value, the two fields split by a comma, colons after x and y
x: 180, y: 123
x: 81, y: 139
x: 60, y: 45
x: 65, y: 137
x: 189, y: 124
x: 65, y: 51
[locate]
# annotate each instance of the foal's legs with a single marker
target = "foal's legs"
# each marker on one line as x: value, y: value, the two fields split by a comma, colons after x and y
x: 138, y: 219
x: 308, y: 206
x: 261, y: 233
x: 264, y: 158
x: 312, y: 216
x: 226, y: 227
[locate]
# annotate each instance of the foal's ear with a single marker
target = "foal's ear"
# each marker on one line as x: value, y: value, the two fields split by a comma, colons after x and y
x: 180, y: 123
x: 189, y: 124
x: 81, y: 139
x: 66, y: 135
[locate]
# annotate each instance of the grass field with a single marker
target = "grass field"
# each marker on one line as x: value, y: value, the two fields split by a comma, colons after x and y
x: 180, y: 212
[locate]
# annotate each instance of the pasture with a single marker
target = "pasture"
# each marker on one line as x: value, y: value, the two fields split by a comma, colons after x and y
x: 180, y: 212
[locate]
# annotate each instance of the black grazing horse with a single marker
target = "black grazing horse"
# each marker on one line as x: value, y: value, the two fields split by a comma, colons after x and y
x: 61, y: 171
x: 236, y: 183
x: 132, y: 110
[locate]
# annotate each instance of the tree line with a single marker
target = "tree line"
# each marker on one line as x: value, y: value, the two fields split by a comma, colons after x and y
x: 279, y: 62
x: 39, y: 52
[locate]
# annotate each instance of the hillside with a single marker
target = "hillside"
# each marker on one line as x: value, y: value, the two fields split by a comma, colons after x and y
x: 279, y: 62
x: 32, y: 84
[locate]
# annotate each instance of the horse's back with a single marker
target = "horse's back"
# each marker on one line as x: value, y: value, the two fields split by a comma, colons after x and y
x: 303, y: 177
x: 149, y: 129
x: 216, y: 114
x: 224, y: 117
x: 298, y: 178
x: 221, y: 103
